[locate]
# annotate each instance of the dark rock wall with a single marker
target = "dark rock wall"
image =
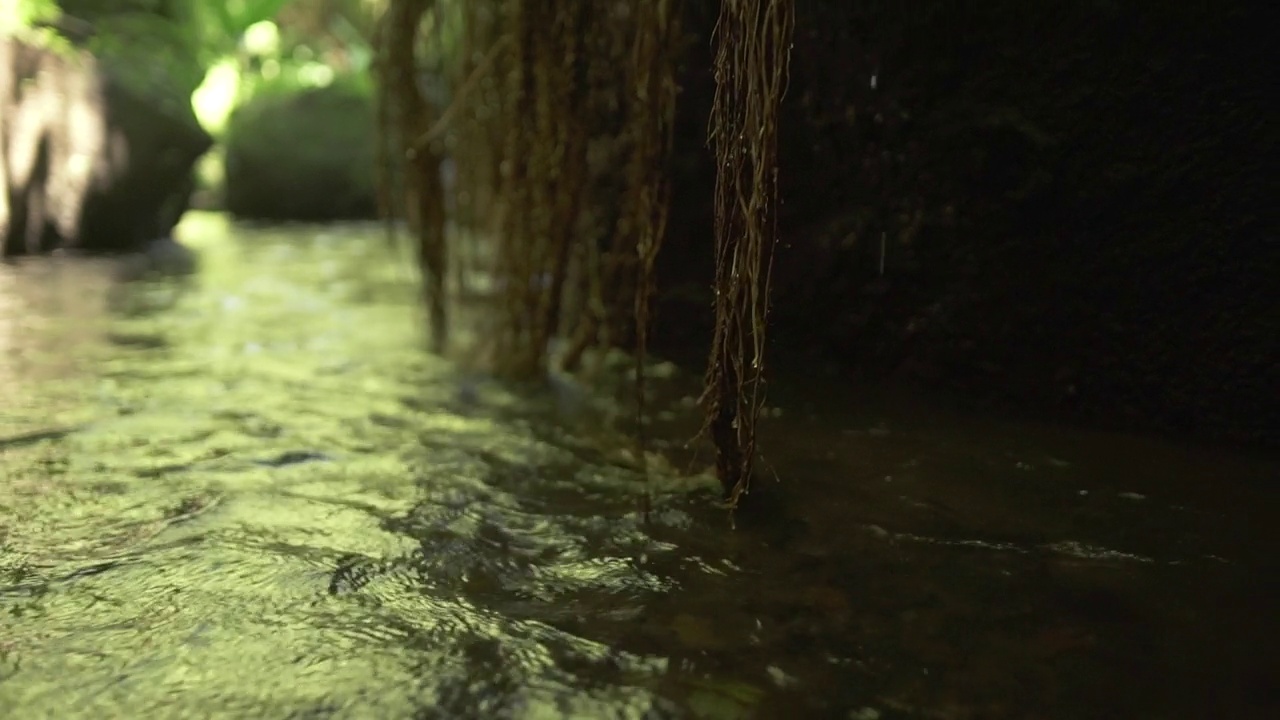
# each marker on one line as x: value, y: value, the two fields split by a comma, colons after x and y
x: 1072, y: 202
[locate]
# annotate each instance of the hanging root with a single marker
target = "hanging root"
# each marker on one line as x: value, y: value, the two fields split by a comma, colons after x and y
x: 538, y: 86
x: 544, y: 177
x: 753, y: 39
x: 654, y: 85
x: 404, y: 115
x: 569, y: 249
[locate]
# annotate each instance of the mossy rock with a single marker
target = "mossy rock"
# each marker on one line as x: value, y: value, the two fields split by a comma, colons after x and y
x: 304, y: 154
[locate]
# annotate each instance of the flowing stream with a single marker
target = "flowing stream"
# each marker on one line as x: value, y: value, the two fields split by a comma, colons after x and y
x: 250, y: 493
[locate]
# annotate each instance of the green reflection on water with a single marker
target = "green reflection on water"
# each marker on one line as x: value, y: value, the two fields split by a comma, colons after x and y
x: 232, y: 439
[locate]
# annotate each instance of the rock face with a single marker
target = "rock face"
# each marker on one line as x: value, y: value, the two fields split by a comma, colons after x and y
x: 89, y: 158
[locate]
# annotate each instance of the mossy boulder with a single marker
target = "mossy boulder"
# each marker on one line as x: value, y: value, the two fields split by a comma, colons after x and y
x: 97, y: 137
x: 304, y: 154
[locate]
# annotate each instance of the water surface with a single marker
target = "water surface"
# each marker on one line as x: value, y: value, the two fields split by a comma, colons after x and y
x: 251, y: 493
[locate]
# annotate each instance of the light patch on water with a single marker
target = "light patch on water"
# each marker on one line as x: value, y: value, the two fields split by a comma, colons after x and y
x: 1089, y: 552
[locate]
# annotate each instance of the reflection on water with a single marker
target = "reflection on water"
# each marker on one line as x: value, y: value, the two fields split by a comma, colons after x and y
x: 249, y: 493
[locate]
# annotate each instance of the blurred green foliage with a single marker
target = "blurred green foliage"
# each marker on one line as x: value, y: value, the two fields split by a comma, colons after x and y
x: 191, y: 36
x: 208, y: 29
x: 215, y: 56
x: 29, y: 20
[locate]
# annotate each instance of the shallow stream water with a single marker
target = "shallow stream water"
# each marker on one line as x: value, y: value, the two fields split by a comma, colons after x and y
x: 249, y: 493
